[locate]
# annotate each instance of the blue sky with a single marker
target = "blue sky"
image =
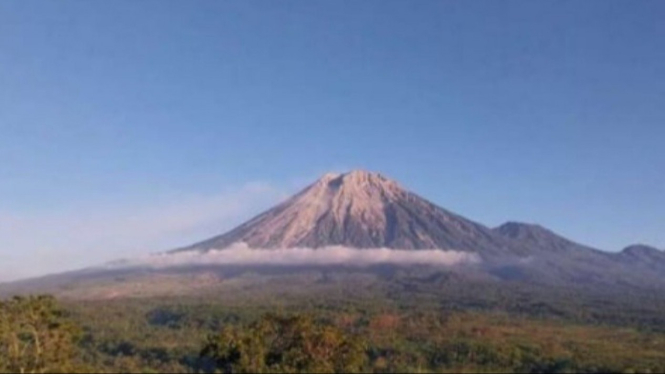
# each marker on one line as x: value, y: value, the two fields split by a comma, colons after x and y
x: 130, y: 127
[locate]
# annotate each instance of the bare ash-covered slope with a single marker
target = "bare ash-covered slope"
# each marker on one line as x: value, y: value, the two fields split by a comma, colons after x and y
x: 361, y: 209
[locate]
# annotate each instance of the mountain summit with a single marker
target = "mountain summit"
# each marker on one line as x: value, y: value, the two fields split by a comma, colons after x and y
x: 541, y: 238
x: 360, y: 209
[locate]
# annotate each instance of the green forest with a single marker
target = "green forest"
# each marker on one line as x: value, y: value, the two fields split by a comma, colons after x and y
x: 40, y: 334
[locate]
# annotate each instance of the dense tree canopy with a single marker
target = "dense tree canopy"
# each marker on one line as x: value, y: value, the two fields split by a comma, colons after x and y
x: 285, y: 344
x: 319, y: 334
x: 35, y: 336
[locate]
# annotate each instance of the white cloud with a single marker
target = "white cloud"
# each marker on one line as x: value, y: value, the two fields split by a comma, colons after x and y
x: 240, y: 254
x: 35, y: 244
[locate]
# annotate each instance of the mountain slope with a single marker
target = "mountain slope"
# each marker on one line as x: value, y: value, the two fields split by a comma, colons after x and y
x: 556, y: 259
x: 540, y: 238
x: 641, y: 252
x: 644, y: 256
x: 362, y: 210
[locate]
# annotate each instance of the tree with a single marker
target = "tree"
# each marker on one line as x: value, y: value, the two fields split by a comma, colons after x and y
x: 35, y: 336
x: 285, y: 344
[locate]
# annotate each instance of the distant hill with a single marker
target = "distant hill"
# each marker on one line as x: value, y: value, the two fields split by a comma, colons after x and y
x: 640, y: 255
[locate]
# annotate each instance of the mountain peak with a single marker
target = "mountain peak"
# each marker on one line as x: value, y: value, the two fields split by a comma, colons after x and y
x: 515, y: 229
x: 327, y: 177
x: 641, y: 250
x: 537, y: 236
x: 355, y: 190
x: 645, y: 254
x: 359, y: 209
x: 364, y: 175
x: 360, y: 178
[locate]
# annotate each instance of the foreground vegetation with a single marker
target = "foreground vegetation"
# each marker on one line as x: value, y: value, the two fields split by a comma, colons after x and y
x: 38, y: 334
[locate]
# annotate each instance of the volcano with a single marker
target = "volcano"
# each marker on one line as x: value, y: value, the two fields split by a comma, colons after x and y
x: 361, y: 209
x: 362, y: 218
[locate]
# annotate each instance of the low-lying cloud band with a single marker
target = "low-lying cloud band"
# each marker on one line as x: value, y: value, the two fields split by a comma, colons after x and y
x: 241, y: 254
